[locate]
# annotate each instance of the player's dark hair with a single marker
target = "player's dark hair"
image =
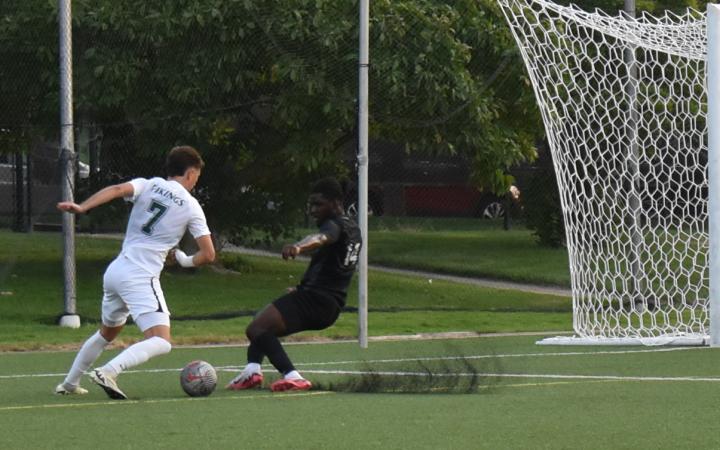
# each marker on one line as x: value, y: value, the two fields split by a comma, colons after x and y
x: 329, y: 188
x: 181, y: 159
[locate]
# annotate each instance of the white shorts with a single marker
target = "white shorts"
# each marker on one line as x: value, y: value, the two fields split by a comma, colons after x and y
x: 131, y: 290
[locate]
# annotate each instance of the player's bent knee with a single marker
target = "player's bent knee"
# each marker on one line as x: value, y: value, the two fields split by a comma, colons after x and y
x: 252, y: 332
x: 109, y: 333
x: 163, y: 346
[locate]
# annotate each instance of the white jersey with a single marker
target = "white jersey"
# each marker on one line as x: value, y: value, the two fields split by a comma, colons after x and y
x: 162, y: 211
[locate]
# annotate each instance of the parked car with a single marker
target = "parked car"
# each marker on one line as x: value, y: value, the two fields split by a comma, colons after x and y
x: 7, y: 169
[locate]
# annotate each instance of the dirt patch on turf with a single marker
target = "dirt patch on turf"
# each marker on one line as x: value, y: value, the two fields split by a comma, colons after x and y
x: 234, y: 341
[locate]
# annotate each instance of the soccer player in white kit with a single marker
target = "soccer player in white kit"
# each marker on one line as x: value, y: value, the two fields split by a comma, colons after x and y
x: 162, y: 210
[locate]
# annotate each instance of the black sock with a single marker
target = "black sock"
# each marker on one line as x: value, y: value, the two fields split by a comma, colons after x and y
x: 254, y: 354
x: 270, y: 345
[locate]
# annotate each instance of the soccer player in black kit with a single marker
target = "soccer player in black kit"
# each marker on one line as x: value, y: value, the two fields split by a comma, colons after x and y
x: 316, y: 302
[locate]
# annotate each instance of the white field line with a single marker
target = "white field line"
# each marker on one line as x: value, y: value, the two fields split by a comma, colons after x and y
x: 164, y: 400
x: 548, y: 383
x: 449, y: 335
x: 499, y: 356
x: 525, y: 385
x: 284, y: 396
x: 395, y: 360
x: 511, y: 375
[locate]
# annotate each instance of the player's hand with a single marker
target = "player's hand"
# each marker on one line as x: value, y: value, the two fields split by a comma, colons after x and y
x: 290, y: 290
x: 170, y: 260
x: 71, y: 207
x: 290, y: 251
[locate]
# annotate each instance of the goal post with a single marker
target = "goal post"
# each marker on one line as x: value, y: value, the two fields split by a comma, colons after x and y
x: 713, y: 86
x: 629, y: 108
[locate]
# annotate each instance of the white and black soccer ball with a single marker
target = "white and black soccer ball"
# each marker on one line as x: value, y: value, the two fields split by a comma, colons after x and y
x: 198, y: 379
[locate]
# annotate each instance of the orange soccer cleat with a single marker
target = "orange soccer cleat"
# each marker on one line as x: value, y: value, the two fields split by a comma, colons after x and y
x: 296, y: 384
x: 243, y: 381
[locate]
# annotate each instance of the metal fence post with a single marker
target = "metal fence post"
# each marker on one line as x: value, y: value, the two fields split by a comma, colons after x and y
x: 67, y: 163
x: 18, y: 193
x: 363, y: 67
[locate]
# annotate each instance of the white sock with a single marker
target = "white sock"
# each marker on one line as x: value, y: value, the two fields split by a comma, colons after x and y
x: 293, y: 375
x: 253, y: 368
x: 137, y: 354
x: 89, y: 352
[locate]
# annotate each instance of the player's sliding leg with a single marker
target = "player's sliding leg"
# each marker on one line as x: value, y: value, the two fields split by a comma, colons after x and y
x: 251, y: 376
x: 263, y: 333
x: 271, y: 346
x: 89, y: 352
x: 156, y: 328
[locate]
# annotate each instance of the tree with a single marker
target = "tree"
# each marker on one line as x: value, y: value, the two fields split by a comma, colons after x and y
x: 268, y: 89
x: 28, y: 41
x: 651, y: 6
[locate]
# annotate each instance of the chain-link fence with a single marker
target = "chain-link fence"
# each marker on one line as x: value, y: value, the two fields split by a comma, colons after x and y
x: 30, y: 187
x: 267, y: 91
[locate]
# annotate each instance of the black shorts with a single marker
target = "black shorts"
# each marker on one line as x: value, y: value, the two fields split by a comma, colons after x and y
x: 306, y: 310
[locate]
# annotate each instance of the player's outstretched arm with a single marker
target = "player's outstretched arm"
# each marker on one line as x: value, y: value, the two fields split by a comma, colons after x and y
x: 328, y: 234
x: 205, y: 255
x: 99, y: 198
x: 308, y: 243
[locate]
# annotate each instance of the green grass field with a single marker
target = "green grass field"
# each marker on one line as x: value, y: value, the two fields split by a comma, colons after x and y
x: 489, y: 393
x: 492, y: 392
x: 467, y: 246
x: 499, y: 392
x: 215, y: 305
x: 471, y: 247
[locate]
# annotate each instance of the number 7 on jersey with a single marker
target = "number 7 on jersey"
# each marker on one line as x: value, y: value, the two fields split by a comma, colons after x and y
x: 154, y: 206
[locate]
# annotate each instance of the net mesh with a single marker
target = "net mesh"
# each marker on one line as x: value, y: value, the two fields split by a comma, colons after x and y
x: 624, y: 105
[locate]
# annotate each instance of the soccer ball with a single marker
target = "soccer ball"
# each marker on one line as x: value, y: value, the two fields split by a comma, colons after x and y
x: 198, y: 379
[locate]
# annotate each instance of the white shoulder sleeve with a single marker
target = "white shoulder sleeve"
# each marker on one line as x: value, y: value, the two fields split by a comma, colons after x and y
x: 197, y: 226
x: 139, y: 185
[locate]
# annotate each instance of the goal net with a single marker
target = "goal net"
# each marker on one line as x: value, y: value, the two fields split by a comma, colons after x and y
x: 624, y: 104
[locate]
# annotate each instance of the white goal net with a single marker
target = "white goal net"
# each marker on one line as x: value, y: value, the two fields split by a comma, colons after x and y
x: 624, y: 104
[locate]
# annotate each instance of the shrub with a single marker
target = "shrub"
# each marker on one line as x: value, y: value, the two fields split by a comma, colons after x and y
x: 543, y: 212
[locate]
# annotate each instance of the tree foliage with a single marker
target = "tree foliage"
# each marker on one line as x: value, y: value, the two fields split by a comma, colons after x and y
x: 651, y: 6
x: 267, y: 90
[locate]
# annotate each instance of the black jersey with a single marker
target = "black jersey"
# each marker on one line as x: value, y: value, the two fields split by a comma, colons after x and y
x: 332, y: 266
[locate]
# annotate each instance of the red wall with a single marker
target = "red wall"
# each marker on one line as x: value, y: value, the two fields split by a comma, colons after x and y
x: 441, y: 200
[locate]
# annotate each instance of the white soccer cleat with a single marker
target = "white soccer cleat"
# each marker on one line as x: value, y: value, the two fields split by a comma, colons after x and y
x: 108, y: 383
x: 62, y: 389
